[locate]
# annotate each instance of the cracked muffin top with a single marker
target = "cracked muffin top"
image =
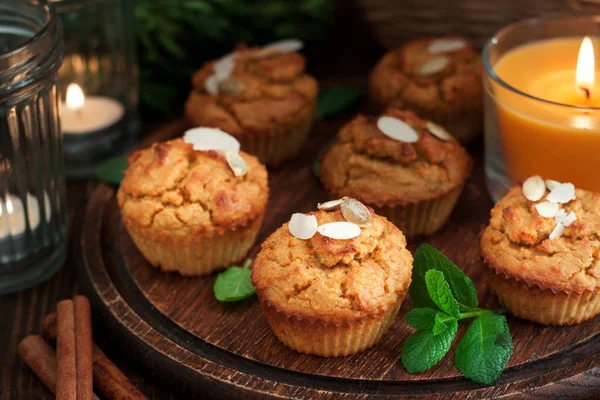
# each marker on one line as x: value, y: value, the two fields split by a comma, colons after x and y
x: 376, y: 169
x: 338, y: 280
x: 516, y: 243
x: 264, y: 92
x: 177, y: 191
x: 418, y: 75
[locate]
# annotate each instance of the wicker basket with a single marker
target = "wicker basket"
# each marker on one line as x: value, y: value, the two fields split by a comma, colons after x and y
x: 394, y: 22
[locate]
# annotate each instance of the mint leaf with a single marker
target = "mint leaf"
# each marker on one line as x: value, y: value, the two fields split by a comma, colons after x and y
x: 111, y: 171
x: 234, y: 283
x: 421, y: 318
x: 422, y: 350
x: 440, y: 293
x: 427, y: 258
x: 332, y: 100
x: 441, y: 322
x: 484, y: 351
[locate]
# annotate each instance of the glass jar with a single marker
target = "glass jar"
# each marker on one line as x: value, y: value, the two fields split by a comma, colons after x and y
x: 33, y: 216
x: 98, y: 80
x: 555, y: 133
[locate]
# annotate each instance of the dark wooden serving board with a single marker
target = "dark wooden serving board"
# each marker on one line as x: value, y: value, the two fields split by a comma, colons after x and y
x: 175, y: 327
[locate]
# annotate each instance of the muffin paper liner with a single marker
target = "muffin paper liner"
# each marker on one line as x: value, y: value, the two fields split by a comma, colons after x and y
x: 325, y: 338
x: 543, y: 306
x: 197, y: 254
x: 273, y: 148
x: 424, y: 217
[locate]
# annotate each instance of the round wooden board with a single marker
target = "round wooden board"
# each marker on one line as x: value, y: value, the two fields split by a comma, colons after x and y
x: 177, y: 329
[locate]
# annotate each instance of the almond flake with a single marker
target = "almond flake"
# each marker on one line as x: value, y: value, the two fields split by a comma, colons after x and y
x: 569, y: 219
x: 236, y: 163
x: 434, y: 65
x: 356, y: 212
x: 562, y: 193
x: 224, y: 66
x: 232, y: 87
x: 339, y: 230
x: 560, y: 216
x: 557, y: 232
x: 534, y: 188
x: 204, y: 139
x: 446, y: 46
x: 285, y: 46
x: 439, y: 132
x: 331, y: 205
x: 547, y: 209
x: 397, y: 129
x: 303, y: 226
x: 551, y: 184
x: 211, y: 84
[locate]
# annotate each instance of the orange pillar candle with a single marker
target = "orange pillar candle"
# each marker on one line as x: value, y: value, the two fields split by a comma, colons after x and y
x: 548, y: 111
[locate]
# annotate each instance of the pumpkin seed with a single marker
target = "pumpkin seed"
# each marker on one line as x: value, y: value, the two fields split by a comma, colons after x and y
x: 356, y: 212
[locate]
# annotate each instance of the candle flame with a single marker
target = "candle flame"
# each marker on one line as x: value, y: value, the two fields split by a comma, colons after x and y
x: 9, y: 206
x: 75, y: 97
x: 584, y: 76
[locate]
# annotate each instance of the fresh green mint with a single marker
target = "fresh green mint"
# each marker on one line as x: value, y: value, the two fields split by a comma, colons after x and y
x: 445, y: 296
x: 332, y: 100
x: 111, y: 171
x: 234, y: 283
x: 427, y: 258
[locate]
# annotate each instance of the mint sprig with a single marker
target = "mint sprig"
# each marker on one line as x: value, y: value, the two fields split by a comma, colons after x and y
x: 445, y: 296
x: 234, y: 283
x: 333, y: 100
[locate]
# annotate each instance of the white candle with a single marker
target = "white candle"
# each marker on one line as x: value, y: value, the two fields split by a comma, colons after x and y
x: 81, y: 115
x: 12, y: 214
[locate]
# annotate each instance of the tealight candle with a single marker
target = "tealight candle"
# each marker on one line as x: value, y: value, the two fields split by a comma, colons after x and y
x: 81, y: 115
x: 12, y: 215
x: 542, y: 104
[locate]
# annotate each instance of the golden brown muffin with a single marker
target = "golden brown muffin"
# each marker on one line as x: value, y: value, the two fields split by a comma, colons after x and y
x: 186, y: 211
x: 333, y: 297
x: 267, y: 102
x: 414, y: 185
x: 550, y: 281
x: 442, y: 86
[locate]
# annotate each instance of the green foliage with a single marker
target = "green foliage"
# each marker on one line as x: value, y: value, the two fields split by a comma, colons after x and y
x: 234, y: 283
x: 111, y: 171
x: 438, y: 284
x: 462, y: 287
x: 175, y: 37
x: 485, y: 349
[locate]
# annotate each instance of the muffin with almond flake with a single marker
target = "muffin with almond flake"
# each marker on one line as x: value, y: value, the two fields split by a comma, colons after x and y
x: 188, y: 211
x: 438, y: 78
x: 542, y: 254
x: 414, y: 183
x: 332, y: 297
x: 262, y: 96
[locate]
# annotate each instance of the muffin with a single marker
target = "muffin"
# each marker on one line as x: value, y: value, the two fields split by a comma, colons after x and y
x: 543, y: 255
x: 438, y: 78
x: 262, y: 96
x: 414, y: 182
x: 332, y: 297
x: 187, y: 211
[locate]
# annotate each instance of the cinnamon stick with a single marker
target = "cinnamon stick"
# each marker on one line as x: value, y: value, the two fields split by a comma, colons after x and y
x: 108, y: 378
x: 66, y: 375
x: 83, y: 346
x: 40, y: 357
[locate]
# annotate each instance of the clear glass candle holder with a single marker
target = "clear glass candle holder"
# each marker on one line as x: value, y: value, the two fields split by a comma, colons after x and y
x: 536, y: 135
x: 98, y: 80
x: 33, y: 216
